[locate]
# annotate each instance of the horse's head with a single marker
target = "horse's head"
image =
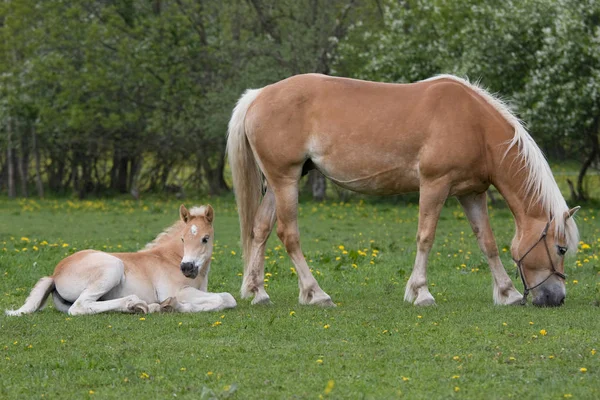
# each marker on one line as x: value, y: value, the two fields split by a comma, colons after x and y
x: 539, y: 254
x: 197, y: 238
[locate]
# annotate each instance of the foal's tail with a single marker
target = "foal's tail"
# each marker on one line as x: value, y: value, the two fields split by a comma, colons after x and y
x: 37, y: 298
x: 247, y: 177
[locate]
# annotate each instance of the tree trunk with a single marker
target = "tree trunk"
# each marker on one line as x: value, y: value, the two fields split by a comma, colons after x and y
x: 23, y: 165
x: 581, y: 195
x: 594, y: 154
x: 318, y: 185
x: 12, y: 192
x: 38, y: 172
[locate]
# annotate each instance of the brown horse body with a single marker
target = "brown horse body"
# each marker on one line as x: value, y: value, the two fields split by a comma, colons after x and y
x: 442, y: 137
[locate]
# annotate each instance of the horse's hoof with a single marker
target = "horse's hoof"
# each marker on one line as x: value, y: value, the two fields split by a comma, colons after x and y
x: 324, y: 303
x: 263, y: 300
x: 425, y: 300
x: 321, y: 300
x: 168, y: 305
x: 140, y: 308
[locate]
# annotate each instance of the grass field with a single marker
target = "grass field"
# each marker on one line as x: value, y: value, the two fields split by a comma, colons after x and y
x: 373, y: 345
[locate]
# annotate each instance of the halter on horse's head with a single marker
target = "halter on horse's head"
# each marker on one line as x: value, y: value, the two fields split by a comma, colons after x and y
x: 541, y: 267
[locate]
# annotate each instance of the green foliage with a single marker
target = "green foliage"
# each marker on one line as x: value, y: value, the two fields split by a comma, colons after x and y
x: 375, y: 345
x: 130, y: 94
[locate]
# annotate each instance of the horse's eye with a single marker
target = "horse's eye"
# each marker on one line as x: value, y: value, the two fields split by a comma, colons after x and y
x: 182, y: 238
x: 205, y: 239
x: 562, y: 250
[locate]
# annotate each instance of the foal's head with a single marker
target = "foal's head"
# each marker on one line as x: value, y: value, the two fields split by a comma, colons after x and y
x: 539, y: 255
x: 197, y: 238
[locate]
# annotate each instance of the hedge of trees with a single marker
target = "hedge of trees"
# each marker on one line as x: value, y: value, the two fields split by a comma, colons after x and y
x: 113, y: 96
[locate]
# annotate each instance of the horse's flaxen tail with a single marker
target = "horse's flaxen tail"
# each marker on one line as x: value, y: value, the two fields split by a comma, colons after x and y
x: 247, y: 177
x: 37, y: 298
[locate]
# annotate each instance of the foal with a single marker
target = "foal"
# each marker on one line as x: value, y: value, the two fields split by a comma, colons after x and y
x: 167, y: 275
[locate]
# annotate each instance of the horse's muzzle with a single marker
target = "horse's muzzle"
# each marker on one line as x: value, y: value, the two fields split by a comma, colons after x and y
x: 189, y: 269
x: 549, y: 297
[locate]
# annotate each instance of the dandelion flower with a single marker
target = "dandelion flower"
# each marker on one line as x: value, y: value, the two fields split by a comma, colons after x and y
x: 319, y: 361
x: 405, y: 379
x: 329, y: 387
x: 292, y: 313
x: 583, y: 369
x: 456, y: 389
x: 326, y: 326
x: 543, y: 332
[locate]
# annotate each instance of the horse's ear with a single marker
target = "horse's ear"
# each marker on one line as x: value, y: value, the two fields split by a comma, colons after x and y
x: 209, y: 215
x: 571, y: 212
x: 184, y: 214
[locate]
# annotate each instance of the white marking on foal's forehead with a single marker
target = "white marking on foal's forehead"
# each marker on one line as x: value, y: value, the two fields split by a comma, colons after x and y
x: 194, y: 230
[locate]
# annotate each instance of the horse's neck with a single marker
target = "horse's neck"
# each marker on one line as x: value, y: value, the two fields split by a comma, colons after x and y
x: 170, y: 250
x: 509, y: 179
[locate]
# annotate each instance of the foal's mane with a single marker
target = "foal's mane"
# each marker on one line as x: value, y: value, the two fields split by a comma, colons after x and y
x: 540, y: 183
x: 169, y: 232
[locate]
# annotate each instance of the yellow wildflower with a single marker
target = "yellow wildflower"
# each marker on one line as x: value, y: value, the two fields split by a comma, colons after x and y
x: 329, y: 387
x: 543, y: 332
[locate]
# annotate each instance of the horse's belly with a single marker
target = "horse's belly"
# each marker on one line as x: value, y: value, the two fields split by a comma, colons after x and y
x: 140, y: 286
x: 375, y: 177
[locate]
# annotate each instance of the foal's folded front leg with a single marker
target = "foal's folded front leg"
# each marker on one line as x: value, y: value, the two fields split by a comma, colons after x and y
x: 193, y: 300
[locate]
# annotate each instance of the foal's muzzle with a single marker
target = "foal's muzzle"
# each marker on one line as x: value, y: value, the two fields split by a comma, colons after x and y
x: 189, y: 269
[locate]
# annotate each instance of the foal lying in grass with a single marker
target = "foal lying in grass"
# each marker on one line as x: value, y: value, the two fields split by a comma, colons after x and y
x: 169, y: 274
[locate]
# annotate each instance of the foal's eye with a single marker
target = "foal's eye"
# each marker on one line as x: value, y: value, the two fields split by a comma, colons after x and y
x: 205, y: 239
x: 182, y: 239
x: 562, y: 250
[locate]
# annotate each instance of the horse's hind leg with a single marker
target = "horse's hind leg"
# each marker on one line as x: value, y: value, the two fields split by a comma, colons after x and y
x: 431, y: 201
x: 101, y: 280
x: 254, y: 273
x: 475, y: 206
x: 287, y: 229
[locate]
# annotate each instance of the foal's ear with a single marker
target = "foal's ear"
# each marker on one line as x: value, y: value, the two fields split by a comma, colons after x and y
x: 184, y: 214
x: 571, y: 212
x: 209, y: 215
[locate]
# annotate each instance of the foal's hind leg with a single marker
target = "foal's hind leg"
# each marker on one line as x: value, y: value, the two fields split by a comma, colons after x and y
x: 286, y: 197
x: 99, y: 281
x: 475, y: 206
x: 431, y: 201
x: 254, y: 273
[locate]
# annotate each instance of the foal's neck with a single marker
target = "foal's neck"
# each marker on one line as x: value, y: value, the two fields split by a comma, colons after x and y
x: 170, y: 249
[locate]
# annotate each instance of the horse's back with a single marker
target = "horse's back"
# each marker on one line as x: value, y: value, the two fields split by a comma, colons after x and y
x: 370, y: 137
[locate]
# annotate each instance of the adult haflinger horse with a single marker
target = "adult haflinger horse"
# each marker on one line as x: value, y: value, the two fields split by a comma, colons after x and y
x: 443, y: 137
x: 167, y: 275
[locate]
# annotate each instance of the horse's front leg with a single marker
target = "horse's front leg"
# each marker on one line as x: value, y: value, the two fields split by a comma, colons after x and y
x: 189, y: 299
x: 254, y: 271
x: 287, y: 230
x: 431, y: 200
x: 475, y: 206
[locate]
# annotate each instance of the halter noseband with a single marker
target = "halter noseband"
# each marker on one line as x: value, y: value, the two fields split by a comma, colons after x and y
x: 520, y: 268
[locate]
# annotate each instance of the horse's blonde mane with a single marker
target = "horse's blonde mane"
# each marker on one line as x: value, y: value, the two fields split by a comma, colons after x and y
x: 540, y: 183
x: 176, y: 227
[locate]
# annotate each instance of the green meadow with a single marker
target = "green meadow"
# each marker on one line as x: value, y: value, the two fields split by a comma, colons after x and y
x: 373, y: 345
